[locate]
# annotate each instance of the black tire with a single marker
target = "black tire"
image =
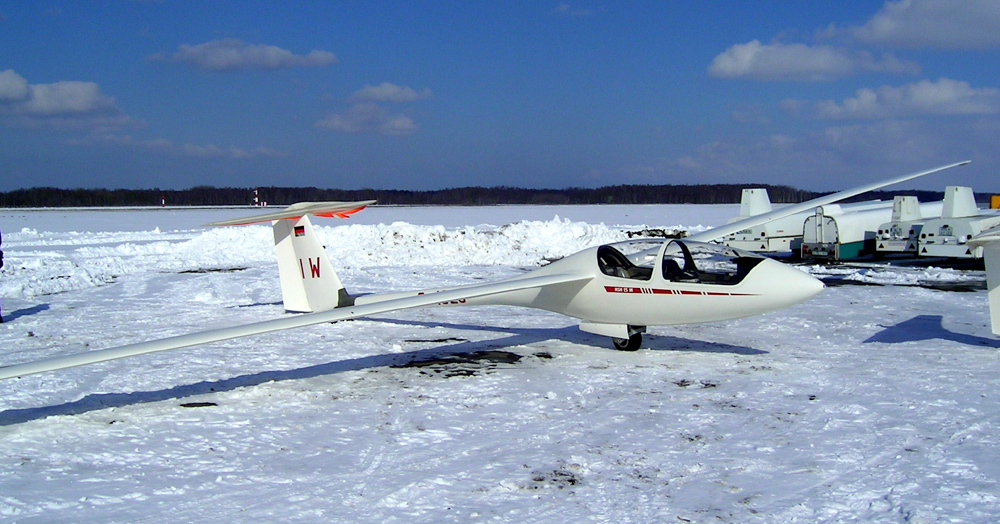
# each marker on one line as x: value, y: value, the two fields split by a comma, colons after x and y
x: 628, y: 344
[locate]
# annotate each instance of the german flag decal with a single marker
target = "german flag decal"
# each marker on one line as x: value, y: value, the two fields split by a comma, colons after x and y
x: 300, y: 231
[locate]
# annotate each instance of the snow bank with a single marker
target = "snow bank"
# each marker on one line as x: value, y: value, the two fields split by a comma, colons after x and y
x: 46, y: 259
x: 40, y: 262
x: 897, y: 276
x: 527, y: 243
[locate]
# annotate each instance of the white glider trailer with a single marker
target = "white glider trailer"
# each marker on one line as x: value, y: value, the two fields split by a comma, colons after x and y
x: 960, y: 220
x: 901, y: 235
x: 835, y: 233
x: 782, y: 236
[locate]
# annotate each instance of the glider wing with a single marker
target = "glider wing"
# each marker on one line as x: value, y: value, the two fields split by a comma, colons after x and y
x: 291, y: 322
x: 734, y: 227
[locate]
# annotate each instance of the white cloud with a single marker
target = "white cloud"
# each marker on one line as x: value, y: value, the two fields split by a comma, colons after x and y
x: 167, y: 146
x: 122, y: 140
x: 368, y: 113
x: 949, y: 24
x: 13, y: 87
x: 398, y: 125
x: 568, y: 10
x: 239, y: 153
x: 234, y: 55
x: 61, y: 105
x: 800, y: 62
x: 65, y: 98
x: 944, y: 97
x: 386, y: 92
x: 826, y: 158
x: 368, y: 118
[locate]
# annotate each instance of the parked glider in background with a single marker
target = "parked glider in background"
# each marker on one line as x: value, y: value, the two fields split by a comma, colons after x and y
x: 615, y: 290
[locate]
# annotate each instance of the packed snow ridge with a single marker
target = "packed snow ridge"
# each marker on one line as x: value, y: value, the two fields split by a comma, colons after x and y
x: 73, y: 260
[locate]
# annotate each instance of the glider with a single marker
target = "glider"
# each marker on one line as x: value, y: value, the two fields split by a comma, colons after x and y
x: 616, y: 290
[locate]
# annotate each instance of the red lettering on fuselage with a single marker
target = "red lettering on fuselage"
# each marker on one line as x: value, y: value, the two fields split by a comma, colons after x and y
x: 655, y: 291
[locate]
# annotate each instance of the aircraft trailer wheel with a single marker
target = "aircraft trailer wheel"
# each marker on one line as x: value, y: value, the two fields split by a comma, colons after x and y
x: 628, y: 344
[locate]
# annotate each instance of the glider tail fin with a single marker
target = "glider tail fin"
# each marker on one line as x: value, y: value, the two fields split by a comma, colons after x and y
x: 308, y: 280
x: 754, y: 202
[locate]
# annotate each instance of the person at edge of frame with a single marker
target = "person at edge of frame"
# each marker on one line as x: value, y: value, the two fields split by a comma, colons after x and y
x: 1, y: 266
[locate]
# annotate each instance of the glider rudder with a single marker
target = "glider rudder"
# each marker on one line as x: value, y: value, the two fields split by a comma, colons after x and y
x: 308, y: 280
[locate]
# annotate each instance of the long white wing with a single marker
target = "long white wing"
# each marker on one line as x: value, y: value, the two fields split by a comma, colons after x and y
x: 204, y: 337
x: 728, y: 229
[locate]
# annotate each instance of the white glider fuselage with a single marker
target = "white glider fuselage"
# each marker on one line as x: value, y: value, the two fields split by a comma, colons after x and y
x: 650, y: 297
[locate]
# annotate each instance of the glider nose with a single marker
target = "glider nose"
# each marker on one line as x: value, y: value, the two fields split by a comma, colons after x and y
x: 799, y: 286
x: 783, y: 285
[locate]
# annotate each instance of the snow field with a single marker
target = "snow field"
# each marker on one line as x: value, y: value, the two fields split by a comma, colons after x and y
x: 870, y: 404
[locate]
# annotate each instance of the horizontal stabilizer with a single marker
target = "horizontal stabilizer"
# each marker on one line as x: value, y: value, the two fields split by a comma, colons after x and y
x: 301, y: 209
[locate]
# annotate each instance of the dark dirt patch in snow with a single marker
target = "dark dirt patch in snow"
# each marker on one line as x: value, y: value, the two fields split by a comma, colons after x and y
x: 558, y: 478
x: 657, y: 233
x: 463, y: 364
x: 213, y: 270
x: 703, y: 384
x: 437, y: 340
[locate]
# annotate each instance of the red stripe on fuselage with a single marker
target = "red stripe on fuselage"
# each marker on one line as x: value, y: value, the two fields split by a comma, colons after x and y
x: 655, y: 291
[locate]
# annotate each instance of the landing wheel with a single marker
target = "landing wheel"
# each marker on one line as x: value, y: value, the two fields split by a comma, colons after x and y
x: 628, y: 344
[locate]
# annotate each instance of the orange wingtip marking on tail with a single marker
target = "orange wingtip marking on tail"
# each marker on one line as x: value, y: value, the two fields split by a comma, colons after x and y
x: 330, y: 214
x: 341, y: 214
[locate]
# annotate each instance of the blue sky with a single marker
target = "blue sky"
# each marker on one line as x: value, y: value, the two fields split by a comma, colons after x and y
x: 428, y: 95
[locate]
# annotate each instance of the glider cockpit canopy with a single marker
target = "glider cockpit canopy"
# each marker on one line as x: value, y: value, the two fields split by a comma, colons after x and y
x: 676, y: 261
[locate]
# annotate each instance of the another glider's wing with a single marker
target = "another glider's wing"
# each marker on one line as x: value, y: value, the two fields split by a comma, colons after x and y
x: 989, y: 240
x: 343, y: 313
x: 734, y: 227
x: 297, y: 211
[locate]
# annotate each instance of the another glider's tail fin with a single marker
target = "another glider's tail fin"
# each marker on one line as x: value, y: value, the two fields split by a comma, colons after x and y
x: 308, y: 280
x: 959, y: 202
x: 990, y: 241
x: 754, y: 202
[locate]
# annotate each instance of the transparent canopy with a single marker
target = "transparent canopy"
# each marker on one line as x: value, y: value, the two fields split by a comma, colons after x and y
x: 679, y: 261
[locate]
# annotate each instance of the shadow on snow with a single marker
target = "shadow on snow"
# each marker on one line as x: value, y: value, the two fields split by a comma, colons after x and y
x: 518, y: 337
x: 926, y: 327
x: 25, y: 312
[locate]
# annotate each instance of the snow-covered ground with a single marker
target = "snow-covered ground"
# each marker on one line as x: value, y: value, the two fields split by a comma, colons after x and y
x: 866, y: 404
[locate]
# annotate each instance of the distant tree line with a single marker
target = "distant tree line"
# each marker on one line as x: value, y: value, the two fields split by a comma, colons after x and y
x: 463, y: 196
